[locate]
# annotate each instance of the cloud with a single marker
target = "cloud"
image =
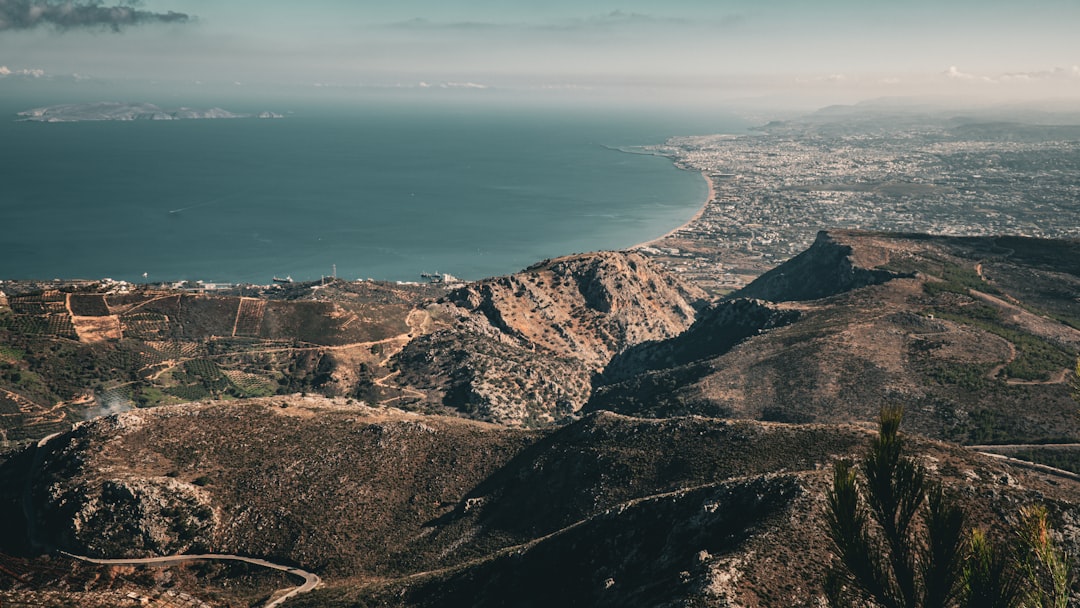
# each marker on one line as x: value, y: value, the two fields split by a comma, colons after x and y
x: 72, y: 14
x: 953, y: 73
x: 1069, y: 73
x: 463, y: 85
x: 827, y: 79
x: 28, y: 73
x: 1057, y: 74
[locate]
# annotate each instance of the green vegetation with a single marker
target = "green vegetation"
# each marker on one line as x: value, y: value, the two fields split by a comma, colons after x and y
x: 954, y: 277
x: 900, y: 541
x: 1035, y: 359
x: 1042, y: 564
x: 988, y: 579
x: 1074, y: 381
x: 188, y: 392
x: 150, y: 396
x: 11, y: 354
x: 968, y: 376
x: 1072, y: 322
x: 989, y: 426
x: 887, y: 556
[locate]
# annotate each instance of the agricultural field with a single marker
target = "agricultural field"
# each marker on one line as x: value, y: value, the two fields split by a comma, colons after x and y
x: 73, y: 352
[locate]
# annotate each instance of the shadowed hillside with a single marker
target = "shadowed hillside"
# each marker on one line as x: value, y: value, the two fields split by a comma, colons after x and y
x: 966, y: 332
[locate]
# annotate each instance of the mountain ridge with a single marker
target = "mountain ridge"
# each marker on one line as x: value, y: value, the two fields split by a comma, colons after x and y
x: 590, y: 420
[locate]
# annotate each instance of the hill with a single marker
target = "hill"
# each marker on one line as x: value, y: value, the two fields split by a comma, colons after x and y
x: 965, y: 332
x: 72, y: 351
x: 395, y: 508
x: 589, y: 431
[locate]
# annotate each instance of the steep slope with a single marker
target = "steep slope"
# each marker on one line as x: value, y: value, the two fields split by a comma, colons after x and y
x: 340, y: 488
x: 587, y: 306
x: 717, y: 329
x: 967, y: 333
x: 397, y: 509
x: 519, y: 349
x: 830, y: 266
x: 524, y: 348
x: 349, y: 490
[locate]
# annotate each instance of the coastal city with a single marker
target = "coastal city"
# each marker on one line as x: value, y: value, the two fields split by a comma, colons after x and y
x: 775, y: 188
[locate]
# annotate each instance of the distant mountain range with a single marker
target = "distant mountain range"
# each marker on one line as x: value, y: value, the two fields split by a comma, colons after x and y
x: 116, y: 110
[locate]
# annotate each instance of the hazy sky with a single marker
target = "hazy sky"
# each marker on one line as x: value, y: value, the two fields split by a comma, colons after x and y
x: 676, y: 48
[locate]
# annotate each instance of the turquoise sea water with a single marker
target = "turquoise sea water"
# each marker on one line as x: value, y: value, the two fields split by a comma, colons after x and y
x: 385, y: 192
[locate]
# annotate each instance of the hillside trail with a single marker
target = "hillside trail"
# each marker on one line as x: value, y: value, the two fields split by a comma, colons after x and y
x: 311, y: 580
x: 1033, y: 466
x: 419, y: 322
x: 522, y: 547
x: 525, y: 546
x: 1038, y: 325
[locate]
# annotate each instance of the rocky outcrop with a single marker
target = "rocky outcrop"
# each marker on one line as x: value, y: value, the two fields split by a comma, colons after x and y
x: 588, y: 307
x: 524, y: 348
x: 827, y: 268
x: 487, y: 379
x: 156, y: 516
x: 105, y: 515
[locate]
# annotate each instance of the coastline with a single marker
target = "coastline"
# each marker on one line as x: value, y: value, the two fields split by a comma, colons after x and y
x: 709, y: 198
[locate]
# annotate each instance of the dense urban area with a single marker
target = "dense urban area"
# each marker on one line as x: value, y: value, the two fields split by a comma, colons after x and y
x: 776, y: 187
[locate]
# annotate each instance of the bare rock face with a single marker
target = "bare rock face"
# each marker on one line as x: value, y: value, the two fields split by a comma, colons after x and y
x: 109, y: 515
x: 525, y: 348
x: 494, y: 381
x: 146, y: 516
x: 589, y: 307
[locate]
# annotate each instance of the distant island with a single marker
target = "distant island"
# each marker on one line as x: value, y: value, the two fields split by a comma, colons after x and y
x: 115, y: 110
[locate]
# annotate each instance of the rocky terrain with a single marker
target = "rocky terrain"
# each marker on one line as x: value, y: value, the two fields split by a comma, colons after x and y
x: 73, y: 351
x: 965, y: 332
x: 590, y: 420
x: 526, y: 347
x: 396, y: 508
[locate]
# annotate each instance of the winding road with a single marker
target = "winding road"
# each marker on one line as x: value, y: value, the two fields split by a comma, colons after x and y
x: 311, y: 580
x: 1000, y: 452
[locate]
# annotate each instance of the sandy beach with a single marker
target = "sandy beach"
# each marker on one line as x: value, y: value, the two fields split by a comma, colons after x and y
x: 709, y: 198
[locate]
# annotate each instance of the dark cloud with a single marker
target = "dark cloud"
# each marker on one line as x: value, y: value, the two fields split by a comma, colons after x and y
x: 71, y: 14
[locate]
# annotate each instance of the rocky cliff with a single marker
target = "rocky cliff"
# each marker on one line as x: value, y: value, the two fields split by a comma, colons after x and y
x: 525, y: 347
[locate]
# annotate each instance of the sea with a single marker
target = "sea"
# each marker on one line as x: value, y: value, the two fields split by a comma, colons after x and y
x: 366, y: 190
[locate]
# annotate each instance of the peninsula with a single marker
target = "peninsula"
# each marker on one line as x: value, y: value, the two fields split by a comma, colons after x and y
x: 115, y: 110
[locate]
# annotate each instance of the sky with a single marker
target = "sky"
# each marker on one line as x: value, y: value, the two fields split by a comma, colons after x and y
x: 690, y: 50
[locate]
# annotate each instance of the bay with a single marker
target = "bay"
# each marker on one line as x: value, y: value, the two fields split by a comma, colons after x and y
x: 382, y: 191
